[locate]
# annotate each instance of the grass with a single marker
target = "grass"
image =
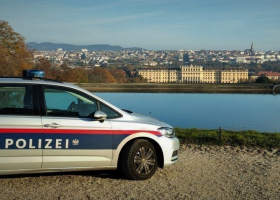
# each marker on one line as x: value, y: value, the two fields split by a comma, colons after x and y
x: 177, y: 87
x: 248, y: 138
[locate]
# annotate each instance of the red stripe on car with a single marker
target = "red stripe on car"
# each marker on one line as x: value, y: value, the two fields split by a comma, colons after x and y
x: 76, y: 131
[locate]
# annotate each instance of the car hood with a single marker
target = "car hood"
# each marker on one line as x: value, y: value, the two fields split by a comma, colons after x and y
x: 148, y: 120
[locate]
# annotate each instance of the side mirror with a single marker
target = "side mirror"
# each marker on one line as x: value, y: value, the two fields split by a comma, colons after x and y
x: 99, y: 115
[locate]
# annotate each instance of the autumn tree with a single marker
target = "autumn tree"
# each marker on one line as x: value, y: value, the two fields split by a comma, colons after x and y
x: 128, y: 69
x: 76, y: 75
x: 44, y: 64
x: 14, y: 56
x: 138, y: 79
x: 58, y: 75
x: 100, y: 75
x: 119, y: 75
x: 82, y: 75
x: 64, y: 66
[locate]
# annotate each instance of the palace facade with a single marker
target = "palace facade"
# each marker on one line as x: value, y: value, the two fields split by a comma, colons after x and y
x: 194, y: 74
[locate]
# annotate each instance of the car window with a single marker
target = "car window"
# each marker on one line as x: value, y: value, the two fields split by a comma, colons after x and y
x: 16, y: 100
x: 110, y: 113
x: 63, y: 102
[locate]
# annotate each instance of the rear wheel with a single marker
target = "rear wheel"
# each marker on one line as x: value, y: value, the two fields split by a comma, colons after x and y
x: 139, y: 160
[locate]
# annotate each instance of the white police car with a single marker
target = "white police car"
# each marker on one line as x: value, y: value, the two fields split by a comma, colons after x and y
x: 49, y: 126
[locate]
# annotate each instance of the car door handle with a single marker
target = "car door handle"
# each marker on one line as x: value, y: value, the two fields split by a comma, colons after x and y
x: 52, y: 125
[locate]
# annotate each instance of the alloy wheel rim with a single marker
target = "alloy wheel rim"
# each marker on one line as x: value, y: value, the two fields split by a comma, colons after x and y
x: 144, y: 160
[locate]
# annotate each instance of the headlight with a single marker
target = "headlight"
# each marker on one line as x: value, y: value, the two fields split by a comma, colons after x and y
x: 167, y: 132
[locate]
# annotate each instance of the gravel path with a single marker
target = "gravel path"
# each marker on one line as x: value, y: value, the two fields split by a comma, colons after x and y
x: 202, y: 173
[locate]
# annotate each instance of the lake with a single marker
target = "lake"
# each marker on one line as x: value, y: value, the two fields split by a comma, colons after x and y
x: 260, y: 112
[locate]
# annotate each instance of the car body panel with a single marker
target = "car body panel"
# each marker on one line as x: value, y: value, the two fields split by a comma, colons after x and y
x: 76, y: 134
x: 19, y: 142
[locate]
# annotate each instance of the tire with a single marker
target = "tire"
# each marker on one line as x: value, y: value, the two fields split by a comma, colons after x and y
x: 139, y: 160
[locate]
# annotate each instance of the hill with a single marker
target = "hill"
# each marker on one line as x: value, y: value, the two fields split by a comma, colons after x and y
x: 48, y: 46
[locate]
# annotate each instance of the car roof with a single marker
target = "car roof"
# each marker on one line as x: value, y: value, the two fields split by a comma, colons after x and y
x: 40, y: 81
x: 31, y: 81
x: 24, y: 79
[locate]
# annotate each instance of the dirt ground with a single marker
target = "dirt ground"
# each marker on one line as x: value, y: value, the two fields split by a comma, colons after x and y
x: 203, y: 172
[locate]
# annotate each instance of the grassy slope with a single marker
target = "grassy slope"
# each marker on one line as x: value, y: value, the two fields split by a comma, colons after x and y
x: 248, y: 138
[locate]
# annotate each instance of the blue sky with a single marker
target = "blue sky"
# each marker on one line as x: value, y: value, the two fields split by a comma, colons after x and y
x: 150, y: 24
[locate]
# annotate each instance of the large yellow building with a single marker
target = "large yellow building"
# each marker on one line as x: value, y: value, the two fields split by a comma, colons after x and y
x: 194, y: 74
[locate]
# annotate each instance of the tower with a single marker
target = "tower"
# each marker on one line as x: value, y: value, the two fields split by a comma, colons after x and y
x: 252, y: 47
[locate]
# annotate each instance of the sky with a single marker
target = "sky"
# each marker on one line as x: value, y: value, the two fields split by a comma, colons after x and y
x: 149, y: 24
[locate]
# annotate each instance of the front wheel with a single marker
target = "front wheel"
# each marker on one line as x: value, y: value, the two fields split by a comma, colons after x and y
x: 139, y: 160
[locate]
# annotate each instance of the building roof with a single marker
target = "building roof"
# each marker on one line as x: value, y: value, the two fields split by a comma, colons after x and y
x: 268, y: 73
x: 158, y: 68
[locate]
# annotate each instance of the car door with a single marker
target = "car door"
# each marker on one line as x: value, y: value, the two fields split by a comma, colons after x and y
x: 72, y: 137
x: 20, y: 128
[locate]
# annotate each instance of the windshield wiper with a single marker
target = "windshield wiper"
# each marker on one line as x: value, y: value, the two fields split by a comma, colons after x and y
x: 128, y: 111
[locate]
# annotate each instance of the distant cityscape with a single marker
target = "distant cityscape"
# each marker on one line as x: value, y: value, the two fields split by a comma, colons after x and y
x: 157, y: 58
x: 146, y: 60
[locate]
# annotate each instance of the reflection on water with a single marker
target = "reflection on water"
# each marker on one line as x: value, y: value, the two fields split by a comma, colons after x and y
x: 259, y: 112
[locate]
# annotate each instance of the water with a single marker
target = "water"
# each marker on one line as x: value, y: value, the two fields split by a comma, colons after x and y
x: 260, y: 112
